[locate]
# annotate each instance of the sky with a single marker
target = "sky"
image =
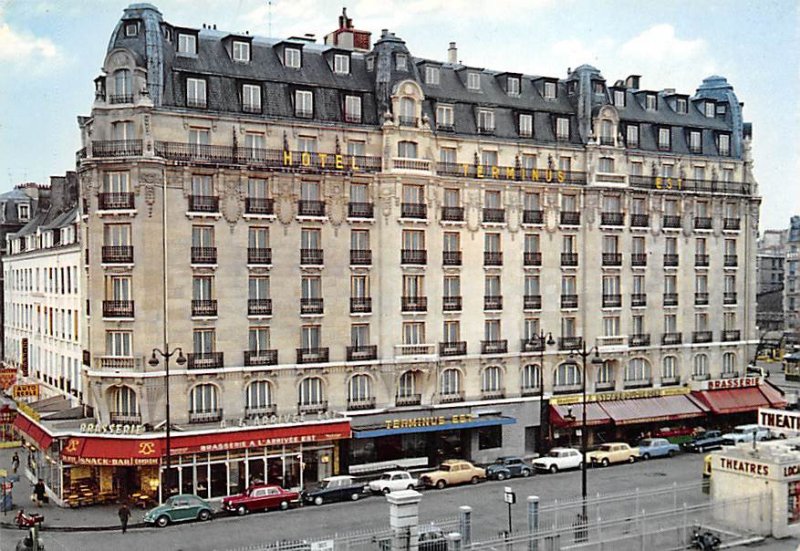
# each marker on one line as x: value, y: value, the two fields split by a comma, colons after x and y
x: 51, y: 51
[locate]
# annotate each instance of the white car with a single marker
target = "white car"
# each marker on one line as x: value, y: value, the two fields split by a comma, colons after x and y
x: 745, y: 433
x: 559, y: 459
x: 393, y: 481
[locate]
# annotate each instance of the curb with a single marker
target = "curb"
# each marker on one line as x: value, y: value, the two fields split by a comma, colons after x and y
x: 115, y: 528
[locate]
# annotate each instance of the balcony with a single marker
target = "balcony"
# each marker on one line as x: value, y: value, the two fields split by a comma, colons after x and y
x: 306, y: 207
x: 118, y: 362
x: 637, y: 383
x: 569, y: 259
x: 451, y: 304
x: 125, y: 418
x: 312, y: 257
x: 669, y: 339
x: 316, y: 407
x: 115, y: 201
x: 729, y: 298
x: 570, y: 343
x: 612, y: 259
x: 638, y: 300
x: 360, y: 210
x: 311, y: 306
x: 418, y: 211
x: 205, y: 360
x: 702, y: 336
x: 638, y: 259
x: 729, y: 374
x: 120, y: 98
x: 248, y: 107
x: 312, y: 355
x: 414, y: 256
x: 492, y: 258
x: 567, y: 389
x: 639, y: 339
x: 671, y: 221
x: 457, y: 348
x: 211, y: 416
x: 612, y: 218
x: 451, y: 397
x: 569, y: 218
x: 405, y: 120
x: 606, y: 140
x: 701, y: 299
x: 445, y: 127
x: 531, y: 390
x: 640, y: 220
x: 612, y: 301
x: 494, y: 347
x: 360, y: 305
x: 414, y: 304
x: 532, y: 302
x: 360, y: 257
x: 260, y: 411
x: 118, y: 309
x: 117, y: 148
x: 362, y: 353
x: 451, y: 258
x: 117, y: 254
x: 701, y: 260
x: 532, y: 258
x: 729, y: 335
x: 569, y: 301
x: 731, y: 224
x: 414, y: 165
x: 493, y: 394
x: 259, y: 256
x: 532, y: 216
x: 259, y: 307
x: 362, y: 403
x: 533, y: 344
x: 204, y: 308
x: 493, y: 302
x: 670, y: 381
x: 670, y: 260
x: 204, y: 203
x: 253, y: 358
x: 604, y: 385
x: 702, y: 222
x: 402, y: 400
x: 494, y: 215
x: 204, y: 255
x: 453, y: 214
x: 700, y: 376
x: 259, y: 205
x: 197, y: 103
x: 670, y: 299
x: 731, y: 260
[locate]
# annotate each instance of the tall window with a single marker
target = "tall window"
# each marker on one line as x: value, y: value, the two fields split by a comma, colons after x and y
x: 258, y: 238
x: 663, y: 138
x: 413, y: 240
x: 251, y: 98
x: 259, y: 395
x: 451, y: 286
x: 202, y: 186
x: 549, y: 90
x: 512, y: 84
x: 700, y: 366
x: 258, y: 339
x: 310, y: 337
x: 352, y: 108
x: 531, y: 376
x: 432, y: 75
x: 310, y: 391
x: 486, y: 120
x: 562, y: 128
x: 567, y: 374
x: 669, y: 368
x: 632, y: 135
x: 195, y: 92
x: 451, y: 331
x: 728, y: 363
x: 444, y: 116
x: 203, y: 399
x: 123, y: 86
x: 303, y: 104
x: 637, y: 370
x: 406, y: 385
x: 492, y: 379
x: 526, y: 125
x: 450, y: 382
x: 358, y: 389
x: 258, y: 287
x: 125, y: 401
x: 724, y: 144
x: 203, y: 341
x: 407, y: 150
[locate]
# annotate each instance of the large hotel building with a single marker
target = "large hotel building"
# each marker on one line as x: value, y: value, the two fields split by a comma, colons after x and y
x: 370, y: 259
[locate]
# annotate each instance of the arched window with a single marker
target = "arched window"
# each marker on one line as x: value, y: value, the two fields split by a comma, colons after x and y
x: 607, y: 132
x: 492, y: 379
x: 407, y: 150
x: 605, y: 372
x: 531, y: 377
x: 124, y: 402
x: 408, y: 112
x: 451, y: 382
x: 669, y: 368
x: 637, y: 370
x: 700, y: 367
x: 567, y: 374
x: 311, y: 392
x: 259, y: 397
x: 728, y: 363
x: 123, y: 86
x: 359, y: 389
x: 407, y: 385
x: 203, y: 400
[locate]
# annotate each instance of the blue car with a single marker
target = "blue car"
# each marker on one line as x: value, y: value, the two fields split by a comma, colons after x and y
x: 657, y: 447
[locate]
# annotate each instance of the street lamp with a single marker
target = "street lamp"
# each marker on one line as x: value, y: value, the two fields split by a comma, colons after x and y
x: 153, y: 362
x: 542, y: 409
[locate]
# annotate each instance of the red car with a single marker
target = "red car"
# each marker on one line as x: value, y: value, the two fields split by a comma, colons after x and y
x: 260, y: 498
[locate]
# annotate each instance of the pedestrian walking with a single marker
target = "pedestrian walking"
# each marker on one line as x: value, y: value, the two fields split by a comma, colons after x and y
x: 39, y: 492
x: 15, y: 462
x: 124, y: 514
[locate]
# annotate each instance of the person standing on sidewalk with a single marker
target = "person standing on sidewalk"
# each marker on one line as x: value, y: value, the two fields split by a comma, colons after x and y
x: 15, y: 462
x: 124, y: 514
x: 39, y: 492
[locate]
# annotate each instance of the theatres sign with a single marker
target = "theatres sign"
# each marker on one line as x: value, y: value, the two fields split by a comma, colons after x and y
x: 752, y: 468
x: 784, y: 421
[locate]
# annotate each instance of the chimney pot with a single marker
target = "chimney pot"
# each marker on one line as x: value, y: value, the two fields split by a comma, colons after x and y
x: 452, y: 53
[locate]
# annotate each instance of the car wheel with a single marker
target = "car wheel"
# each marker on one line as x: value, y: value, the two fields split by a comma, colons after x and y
x: 646, y: 456
x: 672, y: 453
x: 318, y: 500
x: 284, y: 505
x: 387, y: 490
x: 241, y: 510
x: 526, y: 472
x: 410, y: 487
x: 204, y: 515
x: 475, y: 480
x: 355, y: 495
x: 632, y: 459
x: 580, y: 465
x: 700, y: 449
x: 553, y: 469
x: 604, y: 462
x: 501, y: 476
x: 162, y: 521
x: 440, y: 484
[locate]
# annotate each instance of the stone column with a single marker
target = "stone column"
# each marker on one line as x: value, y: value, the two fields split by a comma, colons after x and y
x: 453, y: 541
x: 465, y: 524
x: 404, y: 519
x: 533, y: 522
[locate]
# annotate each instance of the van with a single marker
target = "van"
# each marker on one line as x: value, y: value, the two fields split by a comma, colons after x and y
x: 745, y: 433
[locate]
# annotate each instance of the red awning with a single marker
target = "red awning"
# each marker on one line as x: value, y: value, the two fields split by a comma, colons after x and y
x: 33, y: 431
x: 732, y: 401
x: 559, y: 414
x: 644, y: 410
x: 96, y: 450
x: 774, y: 395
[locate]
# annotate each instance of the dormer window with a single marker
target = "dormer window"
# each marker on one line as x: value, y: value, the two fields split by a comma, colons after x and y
x: 291, y: 58
x: 664, y: 139
x: 513, y: 86
x: 619, y: 98
x: 526, y: 125
x: 352, y: 109
x: 370, y: 63
x: 681, y: 106
x: 444, y: 117
x: 562, y: 129
x: 709, y: 109
x: 187, y: 44
x: 432, y: 75
x: 485, y: 121
x: 341, y: 64
x: 651, y: 103
x: 473, y: 81
x: 303, y: 104
x: 598, y: 87
x: 632, y: 135
x: 131, y: 29
x: 549, y: 90
x: 196, y: 92
x: 241, y: 51
x: 695, y: 141
x: 724, y: 144
x: 23, y: 211
x: 401, y: 62
x: 721, y: 109
x: 251, y: 98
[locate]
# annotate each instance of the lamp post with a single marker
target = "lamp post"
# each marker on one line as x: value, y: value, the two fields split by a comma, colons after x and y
x: 542, y: 409
x: 153, y: 362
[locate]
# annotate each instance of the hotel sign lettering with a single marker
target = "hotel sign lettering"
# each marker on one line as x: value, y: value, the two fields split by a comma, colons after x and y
x: 324, y: 161
x: 432, y: 421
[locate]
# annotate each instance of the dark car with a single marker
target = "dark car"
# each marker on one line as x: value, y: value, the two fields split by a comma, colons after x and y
x: 508, y: 467
x: 708, y: 440
x: 431, y: 538
x: 260, y: 498
x: 335, y: 488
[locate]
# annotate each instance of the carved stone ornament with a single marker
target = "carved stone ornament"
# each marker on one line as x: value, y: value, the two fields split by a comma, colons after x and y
x: 231, y: 204
x: 472, y: 213
x: 716, y: 209
x: 591, y: 206
x: 387, y: 193
x: 148, y: 180
x: 285, y: 203
x: 513, y: 211
x: 337, y: 208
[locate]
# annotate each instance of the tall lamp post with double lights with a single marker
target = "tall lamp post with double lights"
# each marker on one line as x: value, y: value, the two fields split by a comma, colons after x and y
x: 153, y: 362
x: 545, y: 340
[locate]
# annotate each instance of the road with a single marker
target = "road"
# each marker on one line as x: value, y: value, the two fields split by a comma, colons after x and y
x: 486, y: 499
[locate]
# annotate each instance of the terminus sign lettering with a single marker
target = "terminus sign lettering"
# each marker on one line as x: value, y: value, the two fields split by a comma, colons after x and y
x: 513, y: 173
x: 429, y: 421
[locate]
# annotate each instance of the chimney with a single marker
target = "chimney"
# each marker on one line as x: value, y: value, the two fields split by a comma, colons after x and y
x: 452, y: 53
x: 632, y: 82
x: 347, y: 36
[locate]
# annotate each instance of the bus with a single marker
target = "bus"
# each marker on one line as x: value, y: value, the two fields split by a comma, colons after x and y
x: 791, y: 366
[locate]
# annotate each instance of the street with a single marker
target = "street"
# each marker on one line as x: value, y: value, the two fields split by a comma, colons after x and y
x: 486, y: 499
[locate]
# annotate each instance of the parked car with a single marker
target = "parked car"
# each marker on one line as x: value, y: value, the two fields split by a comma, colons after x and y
x: 613, y: 452
x: 745, y: 433
x: 657, y: 447
x: 453, y: 471
x: 707, y: 440
x: 392, y: 481
x: 508, y: 467
x: 431, y: 538
x: 260, y: 498
x: 334, y: 488
x: 559, y: 459
x: 179, y: 508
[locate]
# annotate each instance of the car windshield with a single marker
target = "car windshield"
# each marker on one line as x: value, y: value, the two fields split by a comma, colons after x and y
x: 605, y: 448
x: 646, y: 443
x: 324, y: 484
x: 740, y: 430
x: 553, y: 454
x: 386, y: 477
x: 170, y: 502
x: 500, y: 461
x: 444, y: 467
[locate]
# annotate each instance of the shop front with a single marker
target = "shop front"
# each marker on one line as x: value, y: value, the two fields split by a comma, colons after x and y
x: 736, y: 401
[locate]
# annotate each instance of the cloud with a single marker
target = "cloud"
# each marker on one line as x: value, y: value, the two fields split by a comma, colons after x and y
x: 24, y: 50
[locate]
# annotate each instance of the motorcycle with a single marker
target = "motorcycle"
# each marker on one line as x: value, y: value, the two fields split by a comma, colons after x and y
x: 25, y: 520
x: 705, y: 541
